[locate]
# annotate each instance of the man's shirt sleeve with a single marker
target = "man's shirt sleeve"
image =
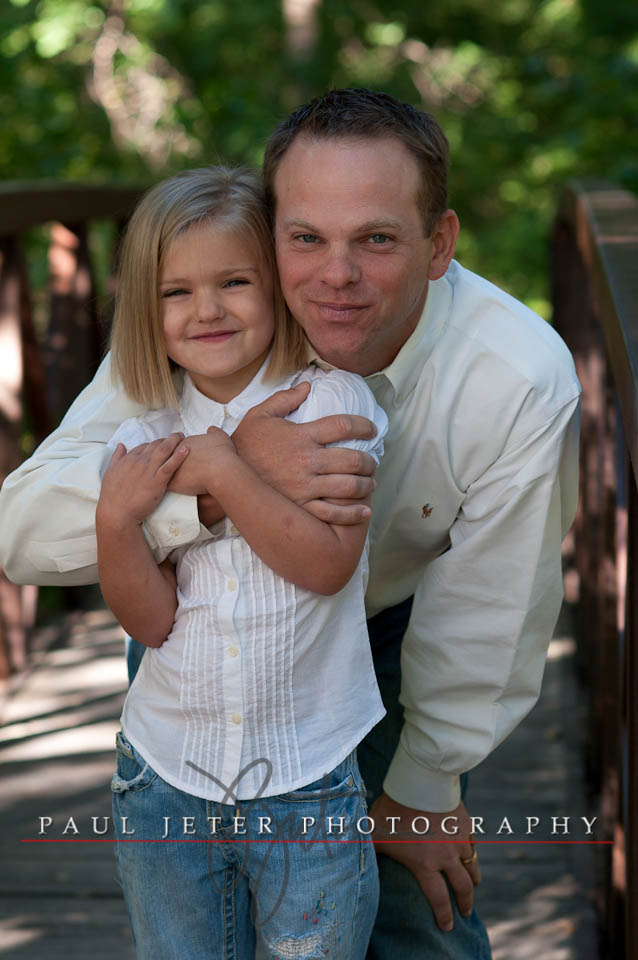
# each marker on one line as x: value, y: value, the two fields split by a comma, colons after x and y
x: 484, y: 611
x: 47, y: 506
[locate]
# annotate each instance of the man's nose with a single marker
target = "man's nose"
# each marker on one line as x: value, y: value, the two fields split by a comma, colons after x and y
x: 340, y: 269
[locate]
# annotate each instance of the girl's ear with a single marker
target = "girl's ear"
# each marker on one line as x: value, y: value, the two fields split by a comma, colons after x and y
x: 444, y: 244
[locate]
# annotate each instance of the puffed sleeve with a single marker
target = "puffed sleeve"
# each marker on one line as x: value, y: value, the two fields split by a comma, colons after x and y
x: 337, y: 391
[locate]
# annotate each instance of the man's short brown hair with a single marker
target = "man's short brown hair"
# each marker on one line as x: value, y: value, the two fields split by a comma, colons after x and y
x: 361, y: 114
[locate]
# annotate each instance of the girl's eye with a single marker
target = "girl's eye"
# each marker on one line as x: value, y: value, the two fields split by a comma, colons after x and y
x: 178, y: 291
x: 236, y: 282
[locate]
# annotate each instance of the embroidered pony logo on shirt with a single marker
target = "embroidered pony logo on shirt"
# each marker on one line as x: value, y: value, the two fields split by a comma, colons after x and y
x: 427, y: 511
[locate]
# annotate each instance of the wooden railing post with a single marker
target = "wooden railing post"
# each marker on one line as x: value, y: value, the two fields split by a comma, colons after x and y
x: 630, y: 707
x: 73, y: 347
x: 17, y: 604
x: 595, y: 280
x: 45, y: 380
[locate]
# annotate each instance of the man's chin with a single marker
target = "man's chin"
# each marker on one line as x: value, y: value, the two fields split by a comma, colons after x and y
x: 345, y: 358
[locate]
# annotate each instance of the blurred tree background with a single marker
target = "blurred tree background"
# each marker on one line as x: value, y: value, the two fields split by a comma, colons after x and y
x: 529, y: 92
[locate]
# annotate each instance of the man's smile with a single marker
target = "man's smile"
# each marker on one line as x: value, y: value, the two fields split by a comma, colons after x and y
x: 339, y: 310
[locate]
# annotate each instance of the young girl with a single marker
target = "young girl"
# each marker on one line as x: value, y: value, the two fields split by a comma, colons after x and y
x: 239, y: 734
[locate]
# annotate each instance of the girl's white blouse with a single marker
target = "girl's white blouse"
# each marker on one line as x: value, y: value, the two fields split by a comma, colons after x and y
x: 262, y: 686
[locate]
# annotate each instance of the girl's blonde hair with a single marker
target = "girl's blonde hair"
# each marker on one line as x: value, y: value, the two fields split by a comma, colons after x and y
x: 229, y: 199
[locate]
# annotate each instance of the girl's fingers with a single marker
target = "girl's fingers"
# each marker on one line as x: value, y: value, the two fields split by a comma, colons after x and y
x: 118, y: 453
x: 172, y: 464
x: 163, y: 449
x: 156, y: 451
x: 142, y: 450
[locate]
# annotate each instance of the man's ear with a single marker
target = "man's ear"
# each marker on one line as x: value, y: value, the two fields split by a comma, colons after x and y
x: 443, y: 243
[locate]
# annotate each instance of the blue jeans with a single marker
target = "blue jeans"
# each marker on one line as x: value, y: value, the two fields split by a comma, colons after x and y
x: 405, y: 927
x: 197, y: 899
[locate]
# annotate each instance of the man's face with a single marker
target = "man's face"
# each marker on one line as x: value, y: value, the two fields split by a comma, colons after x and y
x: 352, y: 255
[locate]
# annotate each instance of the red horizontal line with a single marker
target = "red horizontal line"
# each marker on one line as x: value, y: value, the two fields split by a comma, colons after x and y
x: 276, y: 840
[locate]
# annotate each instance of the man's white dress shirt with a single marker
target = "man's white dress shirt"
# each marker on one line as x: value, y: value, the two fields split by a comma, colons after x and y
x: 261, y: 686
x: 475, y: 492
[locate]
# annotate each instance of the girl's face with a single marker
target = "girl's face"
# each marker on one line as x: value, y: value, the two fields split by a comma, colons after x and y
x: 216, y: 307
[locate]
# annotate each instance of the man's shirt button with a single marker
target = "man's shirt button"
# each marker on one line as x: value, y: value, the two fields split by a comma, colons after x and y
x: 236, y: 718
x: 233, y: 651
x: 232, y: 585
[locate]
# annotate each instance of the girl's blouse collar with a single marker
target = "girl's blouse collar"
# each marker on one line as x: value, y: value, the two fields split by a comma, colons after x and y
x: 198, y: 412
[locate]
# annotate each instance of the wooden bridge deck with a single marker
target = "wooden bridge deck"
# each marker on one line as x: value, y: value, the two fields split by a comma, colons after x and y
x: 61, y: 900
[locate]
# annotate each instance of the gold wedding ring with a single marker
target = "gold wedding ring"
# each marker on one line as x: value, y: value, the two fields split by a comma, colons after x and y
x: 470, y: 859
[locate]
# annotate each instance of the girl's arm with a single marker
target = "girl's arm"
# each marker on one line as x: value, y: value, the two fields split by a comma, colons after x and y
x: 302, y: 549
x: 142, y: 595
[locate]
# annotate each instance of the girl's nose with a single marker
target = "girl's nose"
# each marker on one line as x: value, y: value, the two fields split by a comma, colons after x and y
x: 209, y: 307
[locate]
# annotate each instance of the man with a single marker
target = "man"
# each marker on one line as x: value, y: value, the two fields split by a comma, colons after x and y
x: 475, y: 492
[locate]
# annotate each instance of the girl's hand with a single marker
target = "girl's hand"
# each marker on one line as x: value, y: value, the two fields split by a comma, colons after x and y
x: 135, y: 482
x: 209, y: 452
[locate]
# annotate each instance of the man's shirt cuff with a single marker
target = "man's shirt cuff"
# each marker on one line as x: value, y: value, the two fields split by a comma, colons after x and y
x: 418, y: 787
x: 172, y: 524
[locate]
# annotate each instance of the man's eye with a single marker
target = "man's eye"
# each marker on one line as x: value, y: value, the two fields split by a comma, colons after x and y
x: 307, y: 238
x: 379, y: 238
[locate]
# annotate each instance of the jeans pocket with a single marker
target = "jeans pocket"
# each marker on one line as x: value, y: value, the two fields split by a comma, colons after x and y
x: 133, y: 772
x: 340, y: 782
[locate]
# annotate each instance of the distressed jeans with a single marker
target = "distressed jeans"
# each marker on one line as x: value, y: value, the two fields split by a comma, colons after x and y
x: 202, y: 892
x: 405, y: 927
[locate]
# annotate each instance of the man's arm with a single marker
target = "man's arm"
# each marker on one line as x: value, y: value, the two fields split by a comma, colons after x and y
x: 47, y: 506
x: 474, y: 652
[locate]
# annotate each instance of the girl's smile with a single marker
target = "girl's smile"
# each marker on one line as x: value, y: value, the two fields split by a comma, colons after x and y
x: 216, y: 306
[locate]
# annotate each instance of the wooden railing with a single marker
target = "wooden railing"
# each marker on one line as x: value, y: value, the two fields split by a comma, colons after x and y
x: 595, y: 292
x: 41, y: 375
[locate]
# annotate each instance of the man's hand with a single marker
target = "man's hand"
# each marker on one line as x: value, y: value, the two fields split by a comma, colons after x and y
x: 294, y: 460
x: 430, y: 862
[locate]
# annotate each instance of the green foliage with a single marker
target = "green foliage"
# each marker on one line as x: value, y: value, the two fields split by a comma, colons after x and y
x: 530, y: 92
